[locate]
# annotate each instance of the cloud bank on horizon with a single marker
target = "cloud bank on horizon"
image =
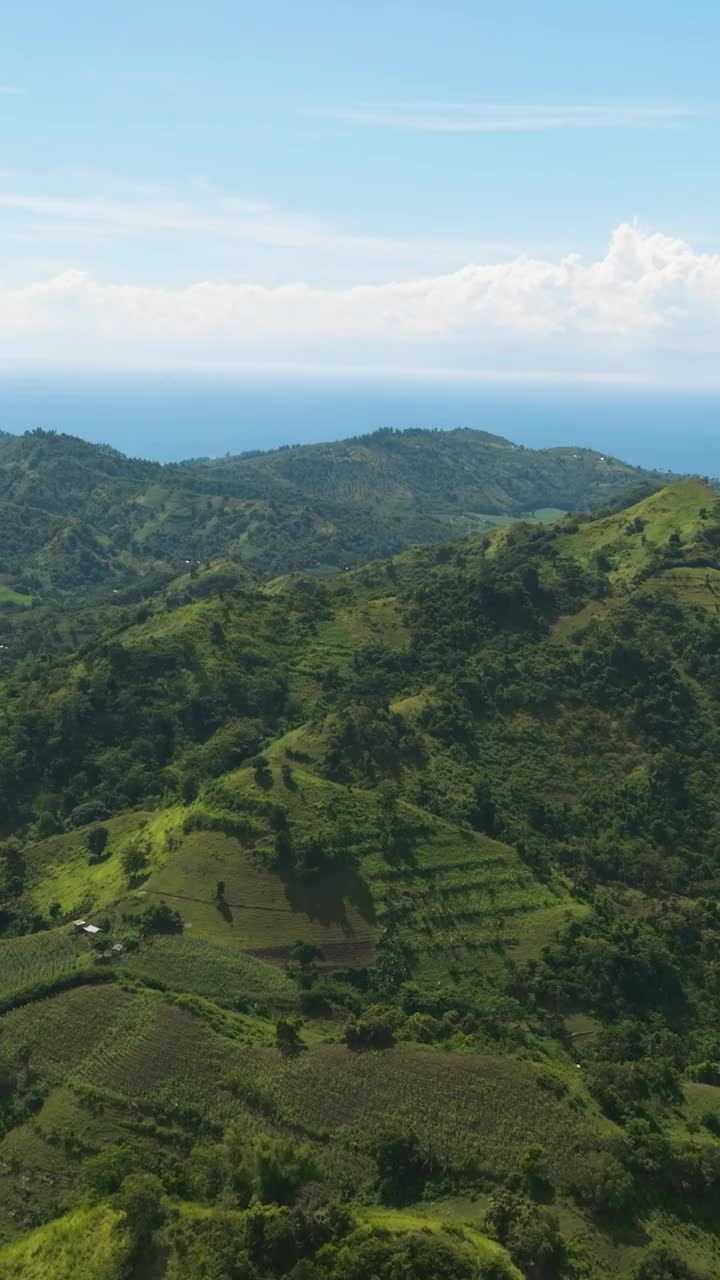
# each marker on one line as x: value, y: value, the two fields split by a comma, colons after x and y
x: 648, y: 308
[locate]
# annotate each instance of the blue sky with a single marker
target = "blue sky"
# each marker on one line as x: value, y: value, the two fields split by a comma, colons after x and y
x: 493, y: 189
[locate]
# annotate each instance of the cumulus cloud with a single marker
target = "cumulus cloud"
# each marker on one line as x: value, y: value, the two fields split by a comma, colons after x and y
x: 649, y: 294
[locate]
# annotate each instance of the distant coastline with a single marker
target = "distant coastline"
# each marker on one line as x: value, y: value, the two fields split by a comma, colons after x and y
x: 168, y: 419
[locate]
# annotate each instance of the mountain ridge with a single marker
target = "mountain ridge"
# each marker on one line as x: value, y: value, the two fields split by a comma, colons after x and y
x: 316, y: 507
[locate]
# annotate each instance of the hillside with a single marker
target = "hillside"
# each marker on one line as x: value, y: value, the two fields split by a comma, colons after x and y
x: 412, y: 876
x: 76, y: 518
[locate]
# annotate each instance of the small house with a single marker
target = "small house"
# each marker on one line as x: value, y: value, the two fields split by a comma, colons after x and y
x: 78, y: 924
x: 117, y: 947
x: 91, y: 930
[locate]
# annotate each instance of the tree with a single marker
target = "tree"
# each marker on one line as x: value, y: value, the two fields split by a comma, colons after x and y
x: 287, y: 1036
x: 304, y: 954
x: 282, y: 1167
x: 8, y: 1085
x: 141, y: 1199
x: 96, y: 841
x: 133, y: 861
x: 403, y: 1167
x: 263, y: 772
x: 90, y: 811
x: 374, y: 1030
x: 104, y: 1173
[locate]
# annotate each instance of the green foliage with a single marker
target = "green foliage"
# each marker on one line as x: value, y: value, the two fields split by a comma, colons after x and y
x: 374, y: 1030
x: 133, y: 861
x: 96, y: 841
x: 281, y: 1168
x: 140, y: 1198
x: 498, y: 842
x: 663, y: 1264
x: 98, y: 1236
x: 422, y: 1255
x: 528, y: 1231
x: 404, y: 1167
x: 104, y: 1173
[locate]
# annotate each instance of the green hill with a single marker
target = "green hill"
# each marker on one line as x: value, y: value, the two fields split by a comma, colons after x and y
x: 405, y: 882
x: 75, y: 517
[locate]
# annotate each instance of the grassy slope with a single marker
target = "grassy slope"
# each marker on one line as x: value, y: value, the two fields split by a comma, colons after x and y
x: 94, y: 1239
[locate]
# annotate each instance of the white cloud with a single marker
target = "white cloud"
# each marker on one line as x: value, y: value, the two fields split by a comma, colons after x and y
x: 650, y: 300
x: 486, y: 117
x: 228, y: 217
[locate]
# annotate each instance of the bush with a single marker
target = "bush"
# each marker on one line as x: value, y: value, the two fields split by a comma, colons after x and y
x: 663, y: 1264
x: 282, y: 1167
x: 374, y: 1030
x: 287, y: 1035
x: 529, y: 1233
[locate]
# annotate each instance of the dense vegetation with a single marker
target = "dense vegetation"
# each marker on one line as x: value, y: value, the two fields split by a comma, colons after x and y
x: 406, y: 885
x: 74, y: 516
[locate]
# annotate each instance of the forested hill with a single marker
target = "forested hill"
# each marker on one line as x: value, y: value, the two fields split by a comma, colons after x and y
x: 76, y: 518
x: 406, y: 889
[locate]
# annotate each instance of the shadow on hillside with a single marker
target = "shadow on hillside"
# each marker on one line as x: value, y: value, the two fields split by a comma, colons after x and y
x: 224, y: 908
x: 326, y: 898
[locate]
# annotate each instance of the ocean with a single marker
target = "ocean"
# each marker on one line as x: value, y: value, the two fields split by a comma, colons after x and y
x: 168, y: 418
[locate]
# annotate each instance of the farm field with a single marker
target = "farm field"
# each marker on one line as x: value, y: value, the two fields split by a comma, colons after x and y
x: 190, y: 963
x: 39, y: 960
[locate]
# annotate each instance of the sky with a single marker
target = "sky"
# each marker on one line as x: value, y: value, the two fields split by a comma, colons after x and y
x: 517, y: 190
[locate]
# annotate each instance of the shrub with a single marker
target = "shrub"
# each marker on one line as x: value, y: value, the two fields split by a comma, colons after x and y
x: 282, y: 1167
x: 374, y: 1030
x: 663, y: 1264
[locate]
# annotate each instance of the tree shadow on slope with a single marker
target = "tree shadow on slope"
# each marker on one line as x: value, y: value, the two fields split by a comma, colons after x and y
x: 326, y: 898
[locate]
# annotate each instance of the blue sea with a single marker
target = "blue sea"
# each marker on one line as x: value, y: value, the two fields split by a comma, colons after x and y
x: 169, y: 418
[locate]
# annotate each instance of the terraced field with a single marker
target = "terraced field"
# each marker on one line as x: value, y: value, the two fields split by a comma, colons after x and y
x: 462, y: 896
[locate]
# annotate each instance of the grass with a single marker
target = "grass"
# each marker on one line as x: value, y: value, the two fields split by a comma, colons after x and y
x: 59, y: 871
x: 9, y: 596
x: 404, y: 1220
x: 91, y: 1242
x: 675, y: 509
